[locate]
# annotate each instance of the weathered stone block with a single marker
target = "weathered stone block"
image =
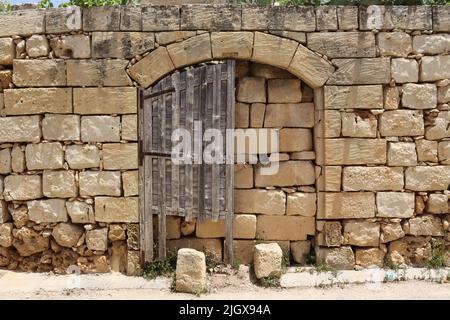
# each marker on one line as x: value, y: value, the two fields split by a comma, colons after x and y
x: 370, y: 257
x: 97, y: 239
x: 190, y: 51
x: 22, y: 22
x: 6, y: 238
x: 346, y: 151
x: 395, y: 17
x: 394, y: 44
x: 105, y: 100
x: 425, y: 225
x: 5, y: 161
x: 130, y: 183
x: 391, y: 98
x: 80, y: 212
x: 100, y: 183
x: 427, y: 150
x: 28, y: 242
x: 5, y: 80
x: 361, y: 233
x: 102, y: 72
x: 346, y: 205
x: 284, y: 227
x: 410, y: 250
x: 100, y: 129
x: 289, y: 115
x: 395, y: 204
x: 37, y: 46
x: 109, y: 209
x: 121, y: 44
x: 63, y: 20
x: 120, y: 156
x: 166, y: 37
x: 441, y: 20
x: 243, y: 176
x: 401, y: 123
x: 59, y: 184
x: 242, y: 115
x: 303, y: 204
x: 267, y: 260
x: 419, y: 96
x: 290, y: 173
x: 251, y: 89
x: 77, y: 46
x: 7, y: 52
x: 67, y: 234
x: 443, y: 94
x: 156, y: 18
x: 131, y: 18
x: 424, y: 178
x: 292, y: 140
x: 354, y: 97
x: 402, y: 154
x: 61, y: 127
x: 437, y: 203
x: 359, y: 124
x: 43, y: 156
x: 405, y: 70
x: 343, y: 44
x: 17, y: 159
x: 47, y: 211
x: 341, y: 258
x: 22, y: 187
x: 435, y: 68
x: 331, y: 180
x: 259, y: 201
x: 361, y: 71
x: 82, y: 156
x: 133, y: 263
x: 326, y: 18
x: 440, y: 128
x: 37, y: 100
x: 347, y: 17
x: 211, y: 247
x: 101, y: 18
x: 391, y: 232
x: 236, y: 45
x: 152, y: 67
x: 273, y: 50
x: 372, y: 178
x: 191, y: 271
x: 210, y: 229
x: 432, y: 44
x: 301, y: 251
x: 129, y: 127
x: 284, y: 91
x: 332, y: 123
x: 211, y: 17
x: 244, y: 226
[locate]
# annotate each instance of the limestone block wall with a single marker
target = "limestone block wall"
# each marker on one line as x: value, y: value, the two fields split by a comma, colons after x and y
x: 377, y: 170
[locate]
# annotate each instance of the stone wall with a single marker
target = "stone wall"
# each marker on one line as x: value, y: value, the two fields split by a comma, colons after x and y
x: 375, y: 152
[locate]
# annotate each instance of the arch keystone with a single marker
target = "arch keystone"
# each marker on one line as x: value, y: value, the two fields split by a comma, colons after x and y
x: 190, y: 51
x: 236, y: 45
x: 273, y: 50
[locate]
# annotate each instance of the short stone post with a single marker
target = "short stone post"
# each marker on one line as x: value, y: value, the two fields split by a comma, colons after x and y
x: 267, y: 260
x: 191, y: 271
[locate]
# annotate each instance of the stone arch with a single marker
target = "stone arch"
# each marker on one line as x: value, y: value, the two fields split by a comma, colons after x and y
x: 256, y: 46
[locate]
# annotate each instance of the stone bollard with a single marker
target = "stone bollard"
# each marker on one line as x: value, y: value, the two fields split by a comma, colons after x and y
x: 191, y: 271
x: 267, y: 260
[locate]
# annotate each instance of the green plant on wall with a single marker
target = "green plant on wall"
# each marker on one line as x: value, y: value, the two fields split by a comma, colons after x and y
x: 5, y: 5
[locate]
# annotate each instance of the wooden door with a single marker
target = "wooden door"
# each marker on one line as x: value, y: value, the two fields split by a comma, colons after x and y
x: 193, y: 99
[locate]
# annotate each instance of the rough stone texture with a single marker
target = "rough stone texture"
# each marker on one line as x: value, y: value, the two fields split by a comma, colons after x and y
x: 236, y: 45
x: 395, y: 204
x: 104, y: 72
x: 292, y: 140
x: 59, y: 184
x: 289, y: 115
x: 412, y: 251
x: 294, y: 18
x: 355, y: 151
x: 401, y: 123
x: 343, y: 44
x: 100, y: 129
x: 191, y: 271
x: 104, y: 100
x: 47, y: 211
x: 5, y: 161
x: 425, y: 225
x: 427, y: 178
x: 251, y: 89
x: 273, y: 50
x: 44, y: 156
x: 130, y: 183
x: 435, y: 68
x: 290, y: 173
x: 427, y: 150
x: 37, y: 101
x: 370, y: 258
x: 267, y: 260
x: 101, y: 18
x: 340, y: 258
x: 82, y: 156
x: 100, y: 183
x: 20, y: 129
x: 259, y: 201
x: 63, y: 19
x: 300, y: 251
x: 22, y: 22
x: 395, y: 44
x: 443, y: 94
x: 67, y: 234
x: 210, y: 229
x: 108, y: 209
x: 22, y: 187
x: 37, y: 46
x: 39, y: 73
x: 303, y: 204
x: 6, y: 238
x: 361, y: 71
x: 80, y: 212
x: 437, y: 203
x: 61, y: 127
x: 347, y: 205
x: 243, y: 176
x: 97, y: 239
x: 121, y: 44
x: 119, y: 156
x: 402, y: 154
x: 440, y: 129
x: 360, y: 124
x: 77, y: 46
x: 284, y: 91
x: 391, y: 232
x: 284, y: 227
x: 354, y: 97
x: 129, y: 127
x: 431, y: 44
x: 391, y: 98
x: 211, y: 247
x: 166, y: 37
x: 244, y: 226
x: 347, y: 17
x: 372, y: 178
x: 7, y: 52
x: 28, y: 242
x: 405, y: 70
x: 361, y: 233
x: 333, y: 234
x: 190, y: 51
x: 419, y: 96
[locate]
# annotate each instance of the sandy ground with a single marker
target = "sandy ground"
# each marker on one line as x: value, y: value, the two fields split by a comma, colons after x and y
x: 15, y: 285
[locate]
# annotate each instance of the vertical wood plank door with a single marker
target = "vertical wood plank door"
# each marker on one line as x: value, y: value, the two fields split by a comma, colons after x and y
x: 199, y: 101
